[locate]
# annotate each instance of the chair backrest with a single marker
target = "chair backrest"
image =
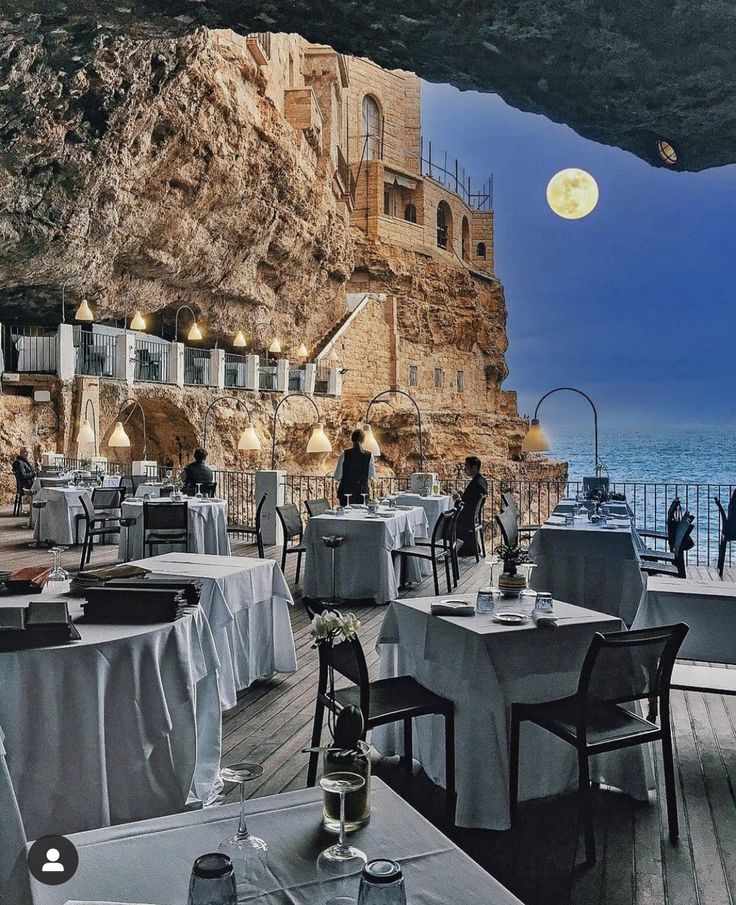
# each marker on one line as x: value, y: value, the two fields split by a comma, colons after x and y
x: 126, y: 485
x: 89, y: 510
x: 166, y: 491
x: 507, y: 498
x: 259, y: 510
x: 592, y: 483
x: 106, y: 498
x: 291, y: 521
x: 620, y: 667
x: 348, y: 660
x: 478, y: 514
x: 509, y: 527
x: 728, y: 519
x: 164, y: 516
x: 674, y: 515
x: 317, y: 507
x: 442, y: 531
x: 137, y: 480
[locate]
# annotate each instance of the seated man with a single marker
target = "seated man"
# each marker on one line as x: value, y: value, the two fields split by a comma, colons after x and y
x: 196, y: 473
x: 477, y: 487
x: 23, y: 470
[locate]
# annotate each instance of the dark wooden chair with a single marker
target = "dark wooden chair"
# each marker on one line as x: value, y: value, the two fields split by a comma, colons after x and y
x: 165, y: 523
x: 479, y: 528
x: 129, y: 484
x: 674, y: 516
x: 728, y: 529
x: 654, y: 563
x: 22, y: 494
x: 381, y: 702
x: 450, y: 541
x: 507, y: 498
x: 291, y: 524
x: 438, y: 551
x: 619, y: 668
x: 316, y: 507
x: 253, y: 530
x: 509, y: 526
x: 106, y: 502
x: 96, y: 525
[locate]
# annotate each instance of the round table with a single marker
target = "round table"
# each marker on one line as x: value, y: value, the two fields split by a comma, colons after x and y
x: 207, y: 529
x: 57, y: 522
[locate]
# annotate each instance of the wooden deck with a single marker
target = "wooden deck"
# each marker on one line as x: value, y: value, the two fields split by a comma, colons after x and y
x: 536, y: 860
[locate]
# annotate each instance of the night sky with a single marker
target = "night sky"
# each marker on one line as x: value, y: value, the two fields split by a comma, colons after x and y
x: 635, y: 304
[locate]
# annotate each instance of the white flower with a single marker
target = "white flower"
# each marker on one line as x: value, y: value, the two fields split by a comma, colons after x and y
x: 334, y: 628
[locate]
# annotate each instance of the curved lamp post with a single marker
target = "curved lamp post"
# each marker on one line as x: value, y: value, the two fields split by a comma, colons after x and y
x: 318, y: 442
x: 83, y: 312
x: 119, y: 438
x: 195, y: 334
x: 371, y: 443
x: 248, y: 438
x: 536, y: 440
x: 88, y: 431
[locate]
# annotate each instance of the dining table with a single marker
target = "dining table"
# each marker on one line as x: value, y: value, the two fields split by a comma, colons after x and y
x: 484, y: 667
x: 151, y: 861
x: 57, y: 522
x: 433, y: 504
x: 364, y: 565
x: 207, y: 533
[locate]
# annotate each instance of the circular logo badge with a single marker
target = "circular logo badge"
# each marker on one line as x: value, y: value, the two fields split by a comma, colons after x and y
x: 53, y: 860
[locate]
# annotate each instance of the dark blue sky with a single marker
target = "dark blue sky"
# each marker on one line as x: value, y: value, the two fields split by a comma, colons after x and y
x: 633, y: 304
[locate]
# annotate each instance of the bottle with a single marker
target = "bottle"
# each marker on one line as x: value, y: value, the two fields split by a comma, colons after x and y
x: 382, y: 883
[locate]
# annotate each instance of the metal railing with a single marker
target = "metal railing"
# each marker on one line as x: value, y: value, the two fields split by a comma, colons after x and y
x: 197, y: 367
x: 234, y: 370
x: 264, y: 38
x: 26, y: 349
x: 96, y: 354
x: 321, y: 380
x: 238, y: 488
x: 297, y: 380
x: 76, y: 464
x: 267, y: 377
x: 152, y: 360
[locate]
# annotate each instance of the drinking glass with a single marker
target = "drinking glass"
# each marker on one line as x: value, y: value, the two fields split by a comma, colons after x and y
x: 339, y: 865
x: 58, y: 573
x: 347, y: 500
x: 198, y: 494
x: 247, y: 852
x: 212, y: 881
x: 365, y: 497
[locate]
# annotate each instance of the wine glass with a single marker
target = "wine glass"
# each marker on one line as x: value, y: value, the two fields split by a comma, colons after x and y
x: 347, y: 500
x: 339, y: 865
x: 365, y: 498
x: 58, y: 573
x: 247, y: 852
x: 198, y: 494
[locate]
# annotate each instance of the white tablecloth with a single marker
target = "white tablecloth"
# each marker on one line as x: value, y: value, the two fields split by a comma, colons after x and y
x: 365, y: 567
x: 207, y: 529
x: 708, y: 607
x: 56, y: 522
x: 484, y: 667
x: 246, y: 602
x: 120, y: 726
x: 433, y: 505
x: 151, y: 861
x: 589, y: 566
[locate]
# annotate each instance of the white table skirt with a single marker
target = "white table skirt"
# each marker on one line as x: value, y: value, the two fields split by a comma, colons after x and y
x: 433, y: 506
x: 151, y: 861
x: 592, y: 567
x: 57, y: 521
x: 365, y: 566
x: 484, y: 667
x: 120, y: 726
x: 207, y: 529
x: 246, y: 602
x: 708, y: 607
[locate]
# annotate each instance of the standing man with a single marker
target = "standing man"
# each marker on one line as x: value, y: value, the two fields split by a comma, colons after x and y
x: 355, y: 468
x: 23, y: 470
x: 477, y: 489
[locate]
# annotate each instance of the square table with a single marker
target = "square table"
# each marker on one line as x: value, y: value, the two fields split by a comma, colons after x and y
x: 485, y: 667
x: 151, y: 861
x: 207, y: 520
x: 365, y: 567
x: 246, y: 602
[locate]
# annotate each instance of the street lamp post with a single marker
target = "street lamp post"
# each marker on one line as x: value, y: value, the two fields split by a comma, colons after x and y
x: 379, y: 398
x: 248, y: 438
x: 119, y: 438
x: 318, y: 442
x: 536, y: 440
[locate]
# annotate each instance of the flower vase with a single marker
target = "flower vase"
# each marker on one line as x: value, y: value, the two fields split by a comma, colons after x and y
x: 511, y: 585
x: 358, y: 803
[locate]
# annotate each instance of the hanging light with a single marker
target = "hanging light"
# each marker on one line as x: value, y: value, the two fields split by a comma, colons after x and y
x: 319, y: 442
x: 275, y: 347
x: 86, y: 433
x: 195, y: 334
x: 138, y: 322
x: 240, y: 342
x: 302, y: 352
x: 249, y: 439
x: 118, y: 437
x: 370, y: 443
x: 84, y: 312
x: 666, y: 152
x: 536, y: 439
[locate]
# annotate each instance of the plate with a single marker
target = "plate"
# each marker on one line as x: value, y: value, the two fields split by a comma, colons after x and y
x: 510, y: 618
x: 454, y: 601
x: 611, y: 527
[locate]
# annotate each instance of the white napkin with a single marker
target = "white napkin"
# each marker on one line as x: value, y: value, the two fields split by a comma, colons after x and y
x: 544, y: 620
x: 88, y: 902
x: 452, y: 608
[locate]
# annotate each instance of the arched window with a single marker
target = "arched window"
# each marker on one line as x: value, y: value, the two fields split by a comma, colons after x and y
x: 372, y: 128
x: 465, y: 240
x: 410, y: 213
x: 480, y: 250
x: 444, y: 225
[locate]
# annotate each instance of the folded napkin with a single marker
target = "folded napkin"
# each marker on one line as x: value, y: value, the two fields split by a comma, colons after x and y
x: 452, y: 608
x: 98, y: 902
x: 544, y: 620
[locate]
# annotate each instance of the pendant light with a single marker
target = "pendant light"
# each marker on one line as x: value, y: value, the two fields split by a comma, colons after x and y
x: 302, y: 352
x: 240, y: 342
x: 138, y: 322
x: 535, y: 439
x: 84, y: 312
x: 195, y: 334
x: 370, y: 443
x: 86, y: 434
x: 249, y: 439
x: 275, y: 347
x: 118, y: 438
x: 319, y: 442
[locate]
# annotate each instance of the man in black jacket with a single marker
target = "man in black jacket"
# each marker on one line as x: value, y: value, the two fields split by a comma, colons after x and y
x: 197, y: 473
x: 355, y: 468
x: 470, y: 497
x: 23, y: 470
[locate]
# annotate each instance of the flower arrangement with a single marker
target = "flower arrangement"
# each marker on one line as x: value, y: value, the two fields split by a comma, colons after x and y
x: 512, y: 557
x: 331, y: 627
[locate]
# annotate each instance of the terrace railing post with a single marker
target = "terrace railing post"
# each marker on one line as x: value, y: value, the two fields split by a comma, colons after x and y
x: 125, y: 357
x: 176, y: 364
x: 282, y: 375
x: 252, y: 372
x: 217, y: 365
x: 310, y: 377
x: 272, y: 483
x: 66, y: 356
x: 334, y: 382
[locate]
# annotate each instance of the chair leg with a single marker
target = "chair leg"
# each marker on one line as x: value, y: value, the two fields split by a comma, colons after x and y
x: 514, y: 762
x: 283, y: 558
x: 450, y: 757
x: 721, y: 556
x: 455, y: 565
x: 669, y: 782
x: 298, y: 566
x: 259, y: 540
x: 483, y: 542
x: 436, y: 578
x: 90, y: 545
x: 84, y: 553
x: 477, y: 547
x: 319, y: 714
x: 447, y: 575
x: 408, y: 757
x: 586, y: 805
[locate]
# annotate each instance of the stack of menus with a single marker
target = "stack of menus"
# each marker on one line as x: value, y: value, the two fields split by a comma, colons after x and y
x: 43, y: 623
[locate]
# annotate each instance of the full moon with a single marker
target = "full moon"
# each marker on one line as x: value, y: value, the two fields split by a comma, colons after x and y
x: 572, y: 193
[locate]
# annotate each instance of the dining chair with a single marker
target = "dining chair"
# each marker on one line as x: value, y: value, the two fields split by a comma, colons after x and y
x: 507, y: 498
x: 106, y: 502
x: 252, y: 530
x: 452, y: 542
x: 506, y: 521
x: 165, y: 523
x: 727, y: 529
x: 96, y: 525
x: 652, y: 562
x: 674, y: 516
x: 21, y: 495
x: 291, y: 524
x: 383, y: 701
x: 619, y: 668
x: 438, y: 551
x: 316, y: 507
x: 479, y: 528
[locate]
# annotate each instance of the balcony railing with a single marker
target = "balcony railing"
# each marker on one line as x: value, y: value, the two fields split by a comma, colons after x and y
x: 152, y: 360
x: 197, y: 367
x: 96, y: 354
x: 297, y: 380
x: 28, y: 349
x: 234, y: 370
x: 267, y: 377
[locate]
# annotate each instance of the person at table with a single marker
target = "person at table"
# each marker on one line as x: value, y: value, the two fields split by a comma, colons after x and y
x: 477, y: 487
x: 355, y: 467
x: 23, y: 470
x: 196, y: 473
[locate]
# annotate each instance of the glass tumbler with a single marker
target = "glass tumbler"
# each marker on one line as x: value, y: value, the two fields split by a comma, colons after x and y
x: 212, y: 881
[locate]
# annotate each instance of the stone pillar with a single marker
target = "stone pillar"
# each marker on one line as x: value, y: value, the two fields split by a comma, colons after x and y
x: 66, y: 354
x: 282, y: 375
x: 176, y: 364
x: 144, y: 467
x: 125, y: 357
x: 310, y: 378
x: 251, y: 372
x: 334, y: 382
x: 217, y: 363
x: 273, y: 483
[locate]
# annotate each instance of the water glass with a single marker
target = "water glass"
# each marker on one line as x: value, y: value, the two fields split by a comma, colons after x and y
x: 382, y: 883
x: 212, y: 881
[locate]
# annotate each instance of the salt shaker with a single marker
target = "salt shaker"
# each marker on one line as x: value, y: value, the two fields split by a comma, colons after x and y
x: 382, y: 883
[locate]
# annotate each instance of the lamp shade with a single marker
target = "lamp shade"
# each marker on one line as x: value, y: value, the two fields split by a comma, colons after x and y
x: 138, y: 322
x: 118, y: 437
x: 275, y: 347
x: 195, y: 333
x: 249, y: 439
x: 319, y: 441
x: 240, y: 342
x: 536, y: 439
x: 370, y: 443
x: 86, y: 433
x: 302, y: 351
x: 84, y: 312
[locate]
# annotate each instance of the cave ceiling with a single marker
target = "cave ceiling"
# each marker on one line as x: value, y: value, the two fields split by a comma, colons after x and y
x: 619, y: 72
